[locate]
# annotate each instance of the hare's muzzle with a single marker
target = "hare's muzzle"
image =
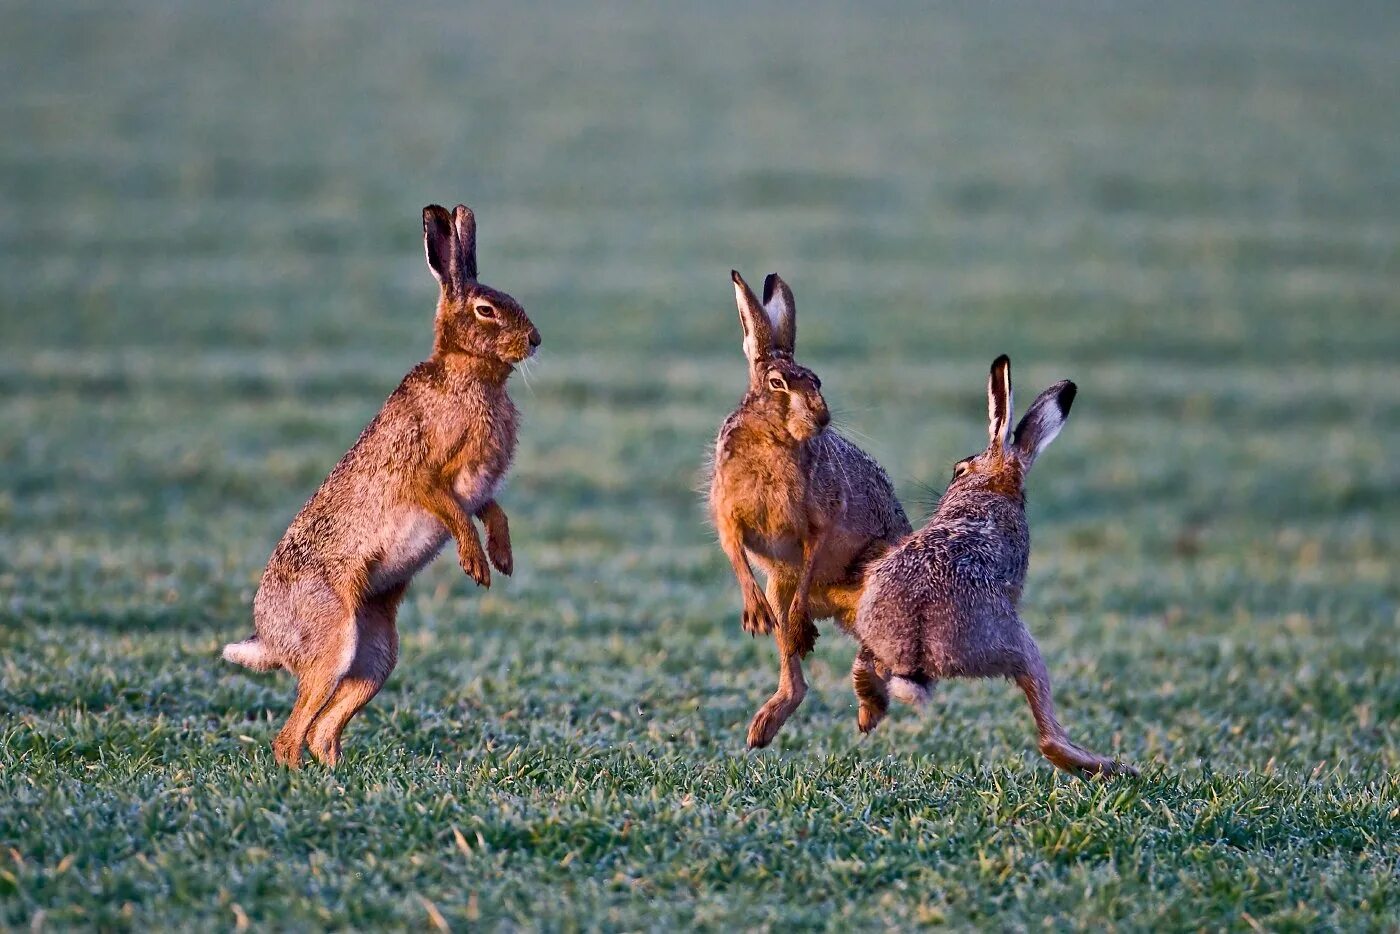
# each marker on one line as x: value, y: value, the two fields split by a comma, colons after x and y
x: 807, y: 416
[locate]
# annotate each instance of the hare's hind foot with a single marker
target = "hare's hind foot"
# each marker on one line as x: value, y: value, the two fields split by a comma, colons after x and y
x: 872, y: 690
x: 287, y: 751
x: 1055, y: 744
x: 317, y: 680
x: 1065, y: 755
x: 792, y: 687
x: 772, y: 715
x: 376, y: 653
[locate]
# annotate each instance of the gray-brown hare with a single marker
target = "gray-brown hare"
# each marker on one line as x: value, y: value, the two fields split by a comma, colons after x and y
x: 943, y: 603
x: 428, y: 463
x: 796, y: 498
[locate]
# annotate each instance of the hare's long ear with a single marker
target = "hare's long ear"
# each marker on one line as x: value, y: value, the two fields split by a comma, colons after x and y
x: 464, y: 222
x: 999, y: 402
x: 758, y: 330
x: 440, y: 243
x: 1044, y: 419
x: 782, y: 313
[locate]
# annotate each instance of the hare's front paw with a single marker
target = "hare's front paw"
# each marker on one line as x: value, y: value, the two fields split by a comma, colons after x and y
x: 473, y: 562
x: 758, y: 617
x: 802, y: 634
x: 501, y: 558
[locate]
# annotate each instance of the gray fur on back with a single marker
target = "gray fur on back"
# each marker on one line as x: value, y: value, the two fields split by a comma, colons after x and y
x: 943, y: 603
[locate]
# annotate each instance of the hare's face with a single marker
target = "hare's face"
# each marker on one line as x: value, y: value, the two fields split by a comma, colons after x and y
x: 995, y: 470
x: 489, y: 323
x: 790, y: 395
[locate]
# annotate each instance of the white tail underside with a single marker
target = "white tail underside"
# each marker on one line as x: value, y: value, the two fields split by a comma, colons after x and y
x: 250, y: 653
x: 907, y: 691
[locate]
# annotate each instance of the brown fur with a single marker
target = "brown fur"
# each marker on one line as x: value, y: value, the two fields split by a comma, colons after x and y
x: 796, y: 498
x: 426, y: 465
x: 943, y: 603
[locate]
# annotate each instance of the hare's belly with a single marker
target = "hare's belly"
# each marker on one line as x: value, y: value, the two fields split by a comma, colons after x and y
x: 769, y: 550
x: 411, y: 539
x: 474, y: 487
x: 833, y: 564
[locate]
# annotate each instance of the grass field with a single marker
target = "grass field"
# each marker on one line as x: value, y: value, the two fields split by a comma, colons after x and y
x: 211, y: 276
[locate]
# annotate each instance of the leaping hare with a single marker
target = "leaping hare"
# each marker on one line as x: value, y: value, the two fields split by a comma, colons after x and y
x: 808, y: 506
x: 428, y: 462
x: 943, y: 604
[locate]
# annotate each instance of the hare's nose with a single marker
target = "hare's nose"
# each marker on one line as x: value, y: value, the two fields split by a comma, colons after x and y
x: 824, y: 417
x: 534, y: 337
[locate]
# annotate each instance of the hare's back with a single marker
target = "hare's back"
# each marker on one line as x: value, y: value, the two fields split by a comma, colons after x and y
x: 934, y: 606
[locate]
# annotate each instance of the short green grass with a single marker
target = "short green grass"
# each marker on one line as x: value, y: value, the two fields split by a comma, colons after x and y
x: 210, y: 277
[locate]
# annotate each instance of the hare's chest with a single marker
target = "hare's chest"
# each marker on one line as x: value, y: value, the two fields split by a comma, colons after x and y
x: 772, y: 522
x: 474, y: 486
x: 482, y: 463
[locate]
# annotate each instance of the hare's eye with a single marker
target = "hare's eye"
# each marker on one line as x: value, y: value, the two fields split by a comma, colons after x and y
x: 959, y: 469
x: 776, y: 382
x: 485, y: 311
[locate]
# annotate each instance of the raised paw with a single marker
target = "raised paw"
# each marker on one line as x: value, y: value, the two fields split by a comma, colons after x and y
x: 802, y: 632
x: 758, y: 618
x: 501, y: 558
x: 475, y: 566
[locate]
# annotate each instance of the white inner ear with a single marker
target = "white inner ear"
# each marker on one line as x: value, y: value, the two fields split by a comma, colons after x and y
x: 750, y: 346
x: 1050, y: 424
x: 428, y: 255
x: 1010, y: 415
x: 775, y: 310
x: 1043, y: 424
x: 999, y: 423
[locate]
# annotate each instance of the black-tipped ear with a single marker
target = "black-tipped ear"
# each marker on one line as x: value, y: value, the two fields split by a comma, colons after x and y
x: 464, y: 221
x: 758, y: 330
x: 782, y: 313
x: 1044, y: 419
x: 999, y: 402
x: 440, y: 243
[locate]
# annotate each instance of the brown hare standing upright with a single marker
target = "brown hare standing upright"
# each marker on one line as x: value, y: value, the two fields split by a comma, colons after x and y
x: 808, y: 506
x: 943, y: 604
x: 428, y: 462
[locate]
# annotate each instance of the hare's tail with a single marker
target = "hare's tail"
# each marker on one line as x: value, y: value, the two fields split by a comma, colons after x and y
x: 251, y: 653
x: 910, y: 689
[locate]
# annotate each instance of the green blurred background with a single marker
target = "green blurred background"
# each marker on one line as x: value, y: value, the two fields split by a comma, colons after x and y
x: 211, y: 275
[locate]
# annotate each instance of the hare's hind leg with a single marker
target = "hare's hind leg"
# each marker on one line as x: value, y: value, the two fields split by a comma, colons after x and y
x: 792, y: 686
x: 327, y: 652
x: 376, y: 653
x: 1055, y: 744
x: 871, y: 682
